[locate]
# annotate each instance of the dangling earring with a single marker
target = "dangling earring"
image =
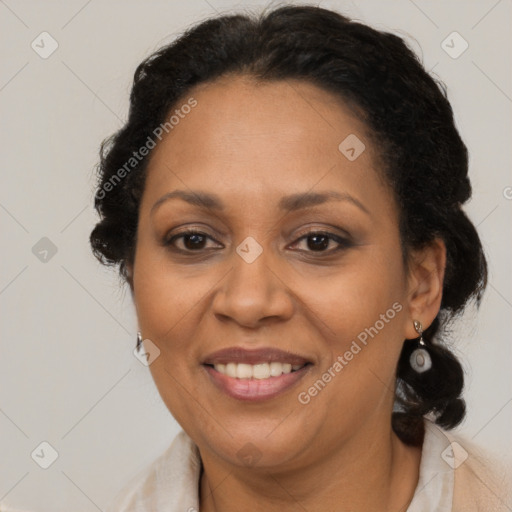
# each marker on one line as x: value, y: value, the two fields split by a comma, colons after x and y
x: 139, y: 340
x: 420, y: 358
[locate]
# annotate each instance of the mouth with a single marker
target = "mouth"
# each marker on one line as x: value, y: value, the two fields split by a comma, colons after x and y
x: 255, y: 375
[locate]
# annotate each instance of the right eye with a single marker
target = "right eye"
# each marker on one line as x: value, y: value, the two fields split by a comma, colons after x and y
x: 191, y: 241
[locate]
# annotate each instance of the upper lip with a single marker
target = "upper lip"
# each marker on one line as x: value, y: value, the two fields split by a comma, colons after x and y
x: 254, y: 356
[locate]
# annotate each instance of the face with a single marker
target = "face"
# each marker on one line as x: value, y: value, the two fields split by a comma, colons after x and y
x: 294, y: 263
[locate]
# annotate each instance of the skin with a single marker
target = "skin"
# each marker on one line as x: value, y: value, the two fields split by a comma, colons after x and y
x: 251, y: 144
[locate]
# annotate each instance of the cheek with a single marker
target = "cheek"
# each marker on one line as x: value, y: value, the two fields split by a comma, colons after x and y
x: 167, y: 303
x: 164, y: 294
x: 360, y: 313
x: 354, y: 299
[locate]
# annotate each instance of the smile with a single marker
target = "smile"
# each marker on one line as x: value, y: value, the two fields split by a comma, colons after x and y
x: 255, y: 375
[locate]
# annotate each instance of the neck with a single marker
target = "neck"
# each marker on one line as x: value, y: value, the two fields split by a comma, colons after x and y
x: 373, y: 471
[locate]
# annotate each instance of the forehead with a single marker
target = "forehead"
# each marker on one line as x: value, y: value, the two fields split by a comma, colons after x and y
x: 248, y: 139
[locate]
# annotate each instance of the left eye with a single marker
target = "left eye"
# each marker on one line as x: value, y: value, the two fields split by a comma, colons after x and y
x: 320, y: 241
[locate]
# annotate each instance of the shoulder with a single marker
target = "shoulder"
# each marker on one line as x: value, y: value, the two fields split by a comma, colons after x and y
x: 169, y: 483
x: 457, y: 475
x: 482, y: 482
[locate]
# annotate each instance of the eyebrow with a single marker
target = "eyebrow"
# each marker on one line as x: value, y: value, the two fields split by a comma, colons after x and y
x: 288, y: 203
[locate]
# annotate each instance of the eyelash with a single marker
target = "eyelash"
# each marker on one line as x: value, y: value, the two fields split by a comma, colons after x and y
x: 343, y: 242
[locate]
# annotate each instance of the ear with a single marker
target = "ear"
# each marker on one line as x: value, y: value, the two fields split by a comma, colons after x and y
x: 425, y: 285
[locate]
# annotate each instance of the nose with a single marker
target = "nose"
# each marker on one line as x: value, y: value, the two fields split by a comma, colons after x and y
x: 254, y: 293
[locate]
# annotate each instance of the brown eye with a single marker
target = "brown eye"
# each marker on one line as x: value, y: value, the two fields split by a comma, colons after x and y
x: 191, y: 241
x: 194, y: 241
x: 320, y: 241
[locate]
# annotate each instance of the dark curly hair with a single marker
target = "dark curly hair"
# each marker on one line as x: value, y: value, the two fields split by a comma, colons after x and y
x: 407, y: 113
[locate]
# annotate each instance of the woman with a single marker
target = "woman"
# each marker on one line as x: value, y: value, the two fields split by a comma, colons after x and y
x: 285, y: 204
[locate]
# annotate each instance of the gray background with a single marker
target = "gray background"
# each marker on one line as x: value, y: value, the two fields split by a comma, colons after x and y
x: 68, y: 374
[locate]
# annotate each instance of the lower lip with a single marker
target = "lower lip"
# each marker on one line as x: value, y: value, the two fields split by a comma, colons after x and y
x: 255, y: 389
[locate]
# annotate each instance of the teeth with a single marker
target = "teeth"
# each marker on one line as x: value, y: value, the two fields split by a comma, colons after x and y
x: 256, y: 371
x: 261, y: 371
x: 243, y: 371
x: 230, y: 369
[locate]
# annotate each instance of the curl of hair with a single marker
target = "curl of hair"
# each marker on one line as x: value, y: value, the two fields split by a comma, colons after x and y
x: 409, y: 119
